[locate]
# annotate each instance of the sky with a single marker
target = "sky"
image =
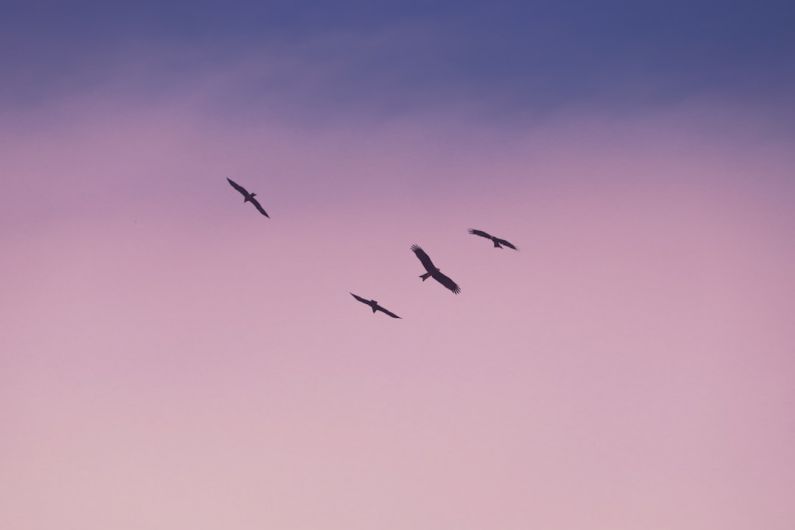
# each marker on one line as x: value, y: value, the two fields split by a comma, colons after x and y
x: 171, y: 359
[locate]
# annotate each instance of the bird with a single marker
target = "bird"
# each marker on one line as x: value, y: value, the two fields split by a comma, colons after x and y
x: 433, y: 270
x: 498, y: 243
x: 374, y: 305
x: 248, y: 197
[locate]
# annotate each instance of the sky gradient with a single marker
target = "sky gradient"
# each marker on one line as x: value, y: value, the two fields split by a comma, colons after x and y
x: 171, y: 359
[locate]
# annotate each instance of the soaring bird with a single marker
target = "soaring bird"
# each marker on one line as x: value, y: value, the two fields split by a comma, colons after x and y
x: 498, y: 243
x: 374, y: 305
x: 433, y: 270
x: 248, y: 197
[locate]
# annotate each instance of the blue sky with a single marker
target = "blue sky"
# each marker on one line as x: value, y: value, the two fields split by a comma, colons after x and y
x: 514, y: 55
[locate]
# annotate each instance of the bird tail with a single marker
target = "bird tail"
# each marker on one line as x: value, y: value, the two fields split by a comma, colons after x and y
x: 425, y: 276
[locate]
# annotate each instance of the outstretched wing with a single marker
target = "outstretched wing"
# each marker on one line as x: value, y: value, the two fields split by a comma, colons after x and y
x: 480, y: 233
x: 386, y: 311
x: 362, y: 300
x: 259, y: 207
x: 238, y: 187
x: 424, y: 258
x: 506, y: 243
x: 446, y: 281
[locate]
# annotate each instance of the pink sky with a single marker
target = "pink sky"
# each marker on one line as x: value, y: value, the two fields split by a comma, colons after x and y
x: 169, y: 359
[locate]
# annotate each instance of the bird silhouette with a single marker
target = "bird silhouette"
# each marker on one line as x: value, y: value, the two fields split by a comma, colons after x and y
x: 248, y: 197
x: 498, y: 243
x: 433, y: 270
x: 374, y: 305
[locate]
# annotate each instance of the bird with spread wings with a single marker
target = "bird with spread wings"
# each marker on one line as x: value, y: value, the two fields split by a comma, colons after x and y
x: 375, y: 306
x: 498, y: 243
x: 433, y: 271
x: 248, y: 197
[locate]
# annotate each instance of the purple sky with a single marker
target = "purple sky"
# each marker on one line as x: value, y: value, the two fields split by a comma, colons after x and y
x: 171, y: 359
